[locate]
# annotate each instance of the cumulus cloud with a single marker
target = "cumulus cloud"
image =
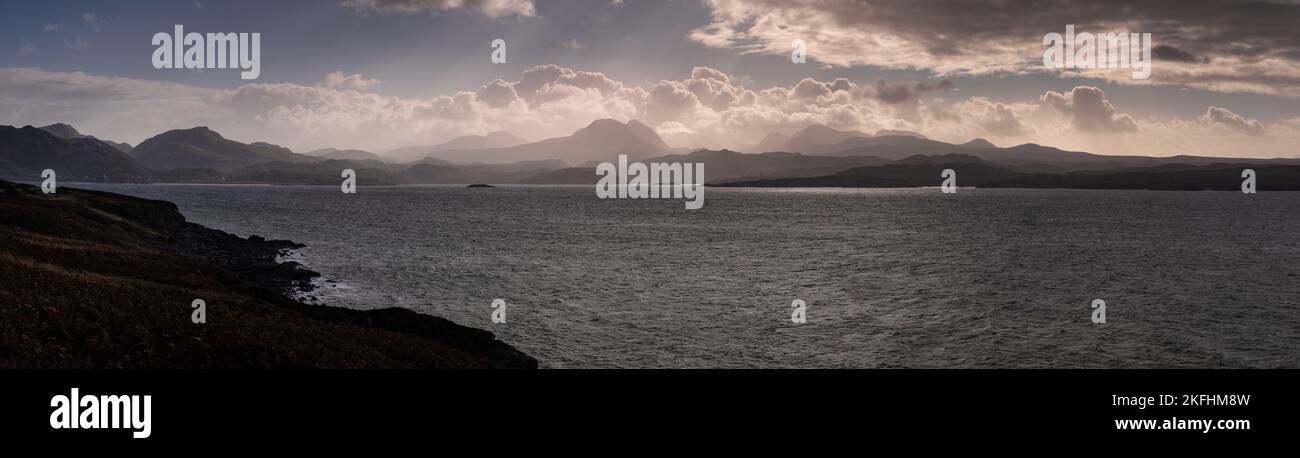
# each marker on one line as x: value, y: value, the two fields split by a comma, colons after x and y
x: 1219, y: 45
x: 497, y: 93
x: 1089, y: 111
x: 994, y: 118
x: 490, y: 8
x: 1234, y: 122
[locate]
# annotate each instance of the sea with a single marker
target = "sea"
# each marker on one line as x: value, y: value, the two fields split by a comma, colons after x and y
x: 882, y: 278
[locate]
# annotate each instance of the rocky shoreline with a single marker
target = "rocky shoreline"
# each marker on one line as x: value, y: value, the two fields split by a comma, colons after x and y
x: 104, y: 280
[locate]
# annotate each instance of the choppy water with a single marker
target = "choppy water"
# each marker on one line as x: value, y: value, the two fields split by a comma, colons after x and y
x: 911, y: 277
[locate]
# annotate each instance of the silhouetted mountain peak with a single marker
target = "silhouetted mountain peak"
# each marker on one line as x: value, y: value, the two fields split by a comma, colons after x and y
x: 816, y: 136
x: 25, y: 152
x: 612, y: 132
x: 822, y: 131
x: 62, y: 130
x: 201, y: 147
x: 899, y: 133
x: 202, y: 133
x: 979, y: 143
x: 67, y: 132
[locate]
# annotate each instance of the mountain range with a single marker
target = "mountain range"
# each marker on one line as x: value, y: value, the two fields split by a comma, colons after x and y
x: 26, y: 152
x: 814, y: 155
x: 346, y: 154
x: 926, y: 171
x: 66, y: 131
x: 201, y: 147
x: 600, y: 141
x: 499, y: 139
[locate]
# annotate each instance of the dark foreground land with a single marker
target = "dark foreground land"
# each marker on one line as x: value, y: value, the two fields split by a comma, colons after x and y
x: 99, y: 280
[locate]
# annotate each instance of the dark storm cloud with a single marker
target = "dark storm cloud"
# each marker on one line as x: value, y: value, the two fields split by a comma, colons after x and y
x: 1166, y: 52
x: 976, y: 37
x: 905, y: 92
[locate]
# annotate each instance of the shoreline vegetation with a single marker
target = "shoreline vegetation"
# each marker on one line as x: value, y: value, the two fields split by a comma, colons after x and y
x: 100, y: 280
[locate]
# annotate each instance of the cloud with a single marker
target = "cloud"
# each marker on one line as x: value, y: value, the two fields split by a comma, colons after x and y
x: 995, y: 118
x: 52, y: 27
x: 26, y: 49
x: 1170, y: 53
x: 76, y: 44
x: 490, y: 8
x: 1234, y: 122
x: 907, y: 92
x: 497, y: 93
x: 1218, y: 45
x: 110, y: 107
x: 1089, y: 111
x: 355, y: 82
x: 570, y: 44
x: 548, y: 101
x: 90, y: 19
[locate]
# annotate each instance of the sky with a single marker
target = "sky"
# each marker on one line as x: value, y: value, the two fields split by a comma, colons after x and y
x: 383, y: 74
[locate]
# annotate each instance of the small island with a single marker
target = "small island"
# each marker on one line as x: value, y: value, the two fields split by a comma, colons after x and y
x: 480, y: 185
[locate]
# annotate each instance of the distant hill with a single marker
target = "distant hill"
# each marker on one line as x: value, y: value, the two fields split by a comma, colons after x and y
x: 905, y: 133
x: 728, y: 165
x: 916, y: 171
x: 816, y: 137
x: 25, y: 152
x: 347, y: 154
x: 498, y: 139
x: 924, y: 171
x: 375, y: 173
x: 602, y: 140
x: 201, y: 147
x: 979, y: 143
x: 65, y: 131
